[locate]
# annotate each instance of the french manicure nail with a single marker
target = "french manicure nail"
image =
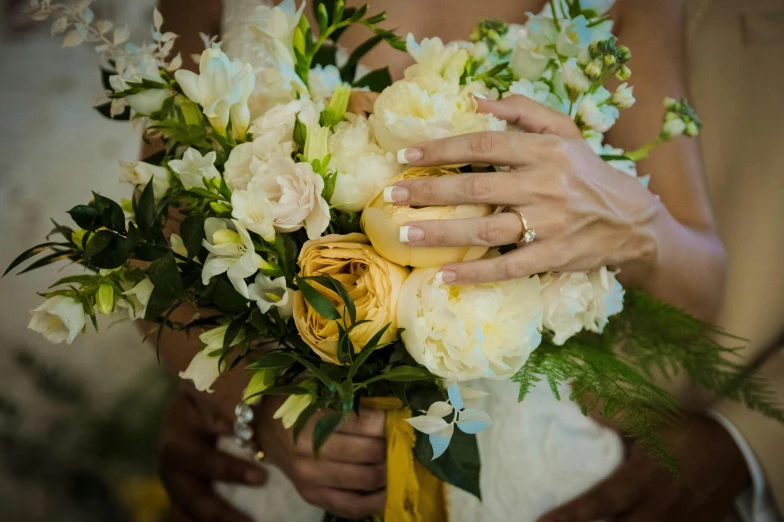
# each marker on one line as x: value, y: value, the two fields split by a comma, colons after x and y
x: 445, y: 276
x: 409, y: 155
x: 409, y: 234
x: 396, y: 194
x: 479, y: 95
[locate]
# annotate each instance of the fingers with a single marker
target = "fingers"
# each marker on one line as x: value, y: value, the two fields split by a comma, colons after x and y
x: 496, y: 188
x: 500, y: 229
x: 339, y: 475
x: 493, y: 148
x: 198, y: 503
x: 369, y: 423
x: 523, y: 262
x: 531, y: 116
x: 613, y: 496
x: 205, y: 462
x: 346, y: 505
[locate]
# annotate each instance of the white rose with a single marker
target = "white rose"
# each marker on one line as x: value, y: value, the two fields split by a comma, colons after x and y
x: 59, y: 319
x: 467, y: 332
x: 296, y: 195
x: 433, y: 57
x: 624, y: 96
x: 269, y: 293
x: 253, y: 209
x: 139, y: 296
x: 144, y: 67
x: 568, y: 304
x: 364, y: 168
x: 222, y: 88
x: 600, y: 118
x: 608, y: 297
x: 193, y: 168
x: 427, y: 108
x: 246, y: 159
x: 323, y: 81
x: 284, y: 117
x: 139, y: 173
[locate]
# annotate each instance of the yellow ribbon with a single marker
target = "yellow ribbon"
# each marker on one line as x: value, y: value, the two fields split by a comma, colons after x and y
x: 413, y: 493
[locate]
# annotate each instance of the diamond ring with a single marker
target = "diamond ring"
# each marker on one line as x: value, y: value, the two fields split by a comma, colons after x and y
x: 527, y: 234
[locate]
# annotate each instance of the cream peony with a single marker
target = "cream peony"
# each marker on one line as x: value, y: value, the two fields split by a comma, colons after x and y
x: 607, y: 297
x: 139, y: 173
x: 462, y: 333
x: 363, y: 167
x: 425, y: 108
x: 247, y: 159
x: 194, y: 168
x: 222, y: 87
x: 323, y: 81
x: 372, y: 282
x: 381, y: 221
x: 433, y: 57
x: 59, y: 319
x: 568, y: 304
x: 296, y: 195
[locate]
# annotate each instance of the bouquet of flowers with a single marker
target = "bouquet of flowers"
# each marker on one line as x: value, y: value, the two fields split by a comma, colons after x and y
x: 268, y: 212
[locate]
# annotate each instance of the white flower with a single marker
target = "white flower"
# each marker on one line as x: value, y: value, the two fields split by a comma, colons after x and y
x: 178, y: 246
x: 600, y: 118
x: 624, y: 96
x: 222, y: 88
x: 143, y: 67
x: 246, y: 159
x: 139, y: 173
x: 203, y: 370
x: 323, y: 81
x: 533, y: 52
x: 253, y: 209
x: 284, y: 116
x: 574, y: 36
x: 673, y: 128
x: 193, y: 168
x: 213, y: 339
x: 429, y: 107
x: 59, y: 319
x: 138, y: 296
x: 296, y: 195
x: 292, y: 408
x: 538, y: 91
x: 467, y: 332
x: 607, y: 297
x: 433, y: 57
x: 269, y: 293
x: 231, y: 252
x: 568, y: 304
x: 574, y: 79
x: 364, y: 168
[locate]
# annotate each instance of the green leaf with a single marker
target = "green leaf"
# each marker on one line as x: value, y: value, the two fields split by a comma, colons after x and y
x: 376, y: 19
x: 156, y: 158
x: 145, y: 209
x: 406, y: 374
x: 459, y: 465
x: 317, y: 300
x: 77, y: 279
x: 227, y: 298
x: 325, y: 427
x: 376, y: 81
x: 303, y: 419
x: 370, y: 347
x: 158, y: 304
x: 165, y: 275
x: 106, y: 111
x: 279, y: 359
x: 338, y: 287
x: 48, y: 260
x: 349, y: 70
x: 192, y: 233
x: 204, y: 193
x: 315, y: 370
x: 322, y: 17
x: 300, y: 133
x: 86, y: 217
x: 234, y: 329
x: 280, y: 391
x: 358, y: 14
x: 112, y: 215
x: 29, y: 253
x: 98, y: 243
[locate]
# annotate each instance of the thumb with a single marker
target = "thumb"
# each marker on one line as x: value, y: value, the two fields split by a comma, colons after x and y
x: 531, y: 116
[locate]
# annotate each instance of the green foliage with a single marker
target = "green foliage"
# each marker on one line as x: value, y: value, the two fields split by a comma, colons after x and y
x: 376, y: 81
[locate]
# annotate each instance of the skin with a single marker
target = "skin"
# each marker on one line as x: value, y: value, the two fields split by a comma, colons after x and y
x: 578, y: 205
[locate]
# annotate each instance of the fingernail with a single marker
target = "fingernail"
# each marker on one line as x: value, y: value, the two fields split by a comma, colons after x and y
x: 409, y: 155
x: 254, y: 476
x: 409, y: 234
x: 480, y: 96
x: 396, y: 194
x: 445, y: 276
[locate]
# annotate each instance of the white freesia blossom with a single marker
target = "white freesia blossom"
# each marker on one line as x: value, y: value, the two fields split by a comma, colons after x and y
x: 193, y: 168
x: 139, y: 173
x: 59, y: 319
x: 467, y: 332
x: 607, y: 297
x: 599, y: 117
x: 574, y: 36
x: 574, y: 79
x: 253, y: 209
x: 364, y: 168
x: 295, y: 192
x: 429, y: 107
x: 231, y: 252
x: 139, y: 296
x: 143, y: 67
x: 203, y: 370
x: 623, y: 96
x: 433, y: 57
x: 323, y: 81
x: 269, y: 293
x: 292, y: 408
x: 568, y: 304
x: 533, y: 52
x: 222, y: 88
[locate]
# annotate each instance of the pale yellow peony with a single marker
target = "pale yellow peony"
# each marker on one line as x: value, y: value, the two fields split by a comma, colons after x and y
x: 372, y: 282
x: 381, y: 221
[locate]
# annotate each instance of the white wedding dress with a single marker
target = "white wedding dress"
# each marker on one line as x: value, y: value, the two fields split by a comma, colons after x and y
x: 537, y: 454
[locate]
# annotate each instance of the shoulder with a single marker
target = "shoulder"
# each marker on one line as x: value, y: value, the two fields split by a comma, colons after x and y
x: 660, y: 16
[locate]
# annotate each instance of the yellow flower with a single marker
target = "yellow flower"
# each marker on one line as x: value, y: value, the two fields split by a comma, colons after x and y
x: 372, y: 282
x: 381, y: 221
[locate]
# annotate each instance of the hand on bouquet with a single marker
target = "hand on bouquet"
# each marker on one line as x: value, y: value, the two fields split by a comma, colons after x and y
x: 586, y: 214
x: 189, y: 463
x: 348, y: 479
x: 643, y: 490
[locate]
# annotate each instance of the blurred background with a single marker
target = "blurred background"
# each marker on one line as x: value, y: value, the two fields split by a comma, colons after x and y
x: 78, y: 424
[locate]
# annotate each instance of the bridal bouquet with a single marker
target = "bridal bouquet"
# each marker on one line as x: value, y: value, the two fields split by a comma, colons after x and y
x: 265, y: 217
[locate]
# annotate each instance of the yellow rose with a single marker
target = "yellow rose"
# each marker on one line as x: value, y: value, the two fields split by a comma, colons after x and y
x: 372, y: 282
x: 381, y: 221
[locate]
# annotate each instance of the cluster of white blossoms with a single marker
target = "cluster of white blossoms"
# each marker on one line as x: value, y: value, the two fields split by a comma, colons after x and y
x: 462, y: 333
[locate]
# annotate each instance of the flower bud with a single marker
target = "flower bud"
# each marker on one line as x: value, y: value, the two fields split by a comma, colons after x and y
x: 692, y: 129
x: 624, y: 53
x: 338, y: 104
x: 594, y: 70
x: 610, y: 60
x: 220, y: 207
x: 104, y: 298
x: 624, y: 73
x: 299, y: 40
x: 673, y: 128
x: 317, y: 143
x: 670, y: 103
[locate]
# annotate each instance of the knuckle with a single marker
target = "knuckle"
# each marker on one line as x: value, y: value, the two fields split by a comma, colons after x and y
x: 482, y: 143
x: 374, y: 479
x: 491, y: 231
x: 308, y: 495
x: 377, y: 452
x: 511, y: 269
x: 553, y: 146
x: 479, y: 187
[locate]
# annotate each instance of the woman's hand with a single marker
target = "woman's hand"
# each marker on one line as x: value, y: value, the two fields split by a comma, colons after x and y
x: 349, y: 478
x: 585, y: 213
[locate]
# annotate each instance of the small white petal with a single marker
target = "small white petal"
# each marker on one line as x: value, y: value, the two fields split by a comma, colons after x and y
x: 427, y: 424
